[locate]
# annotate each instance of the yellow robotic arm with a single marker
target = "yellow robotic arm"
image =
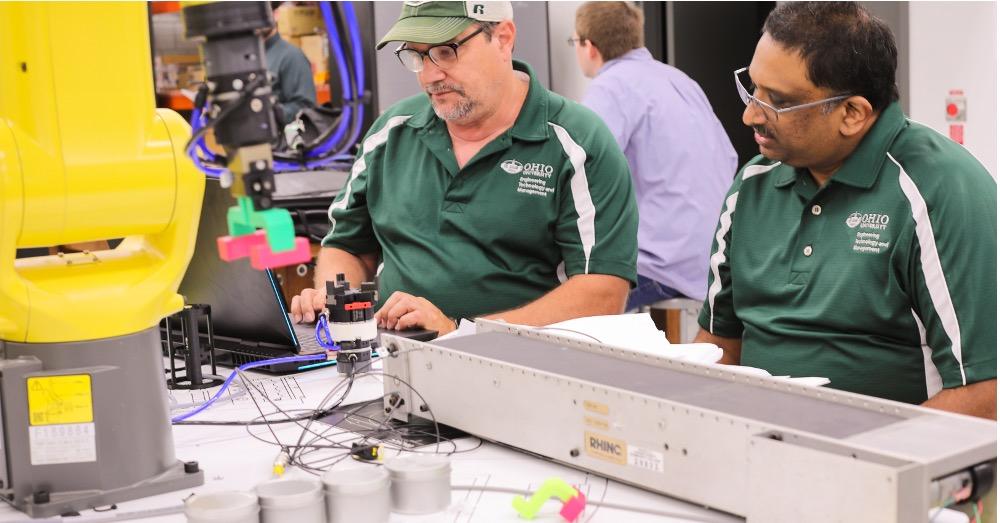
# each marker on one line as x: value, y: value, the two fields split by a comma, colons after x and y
x: 85, y: 155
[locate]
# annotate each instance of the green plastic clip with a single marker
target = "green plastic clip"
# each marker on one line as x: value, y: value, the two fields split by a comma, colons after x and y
x: 276, y: 223
x: 551, y: 488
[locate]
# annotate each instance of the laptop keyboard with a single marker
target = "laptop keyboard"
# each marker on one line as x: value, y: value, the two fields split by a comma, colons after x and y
x: 306, y: 334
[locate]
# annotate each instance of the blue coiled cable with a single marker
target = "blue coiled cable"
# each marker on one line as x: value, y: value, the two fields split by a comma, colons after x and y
x: 232, y: 375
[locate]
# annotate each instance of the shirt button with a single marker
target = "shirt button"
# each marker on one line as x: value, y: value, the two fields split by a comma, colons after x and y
x: 808, y: 251
x: 816, y: 210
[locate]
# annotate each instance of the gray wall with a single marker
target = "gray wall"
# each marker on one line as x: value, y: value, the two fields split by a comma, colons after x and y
x: 896, y: 16
x: 567, y: 79
x: 396, y: 83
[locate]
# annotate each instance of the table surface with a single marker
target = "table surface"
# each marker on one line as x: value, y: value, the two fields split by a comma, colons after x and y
x: 235, y: 460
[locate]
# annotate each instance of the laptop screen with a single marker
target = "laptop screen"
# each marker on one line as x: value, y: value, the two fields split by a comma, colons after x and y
x: 247, y: 304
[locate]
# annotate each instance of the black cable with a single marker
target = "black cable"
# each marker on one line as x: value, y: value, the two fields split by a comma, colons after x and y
x: 323, y: 450
x: 245, y: 93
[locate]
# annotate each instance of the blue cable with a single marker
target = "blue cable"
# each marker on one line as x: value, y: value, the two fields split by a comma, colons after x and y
x: 352, y: 24
x: 352, y: 92
x: 232, y: 375
x: 192, y: 153
x: 346, y: 88
x: 322, y: 327
x: 359, y: 67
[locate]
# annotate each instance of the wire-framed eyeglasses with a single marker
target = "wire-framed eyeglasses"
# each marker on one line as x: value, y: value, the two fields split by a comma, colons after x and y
x: 443, y: 55
x: 745, y: 86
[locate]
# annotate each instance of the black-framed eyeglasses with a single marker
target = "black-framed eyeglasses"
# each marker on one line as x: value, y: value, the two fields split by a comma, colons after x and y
x: 443, y: 55
x: 746, y: 89
x: 572, y: 41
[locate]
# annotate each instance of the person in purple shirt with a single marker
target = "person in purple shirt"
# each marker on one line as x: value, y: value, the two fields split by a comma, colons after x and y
x: 681, y: 160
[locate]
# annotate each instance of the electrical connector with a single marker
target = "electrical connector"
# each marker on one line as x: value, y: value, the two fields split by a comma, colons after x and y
x: 278, y: 469
x: 366, y: 452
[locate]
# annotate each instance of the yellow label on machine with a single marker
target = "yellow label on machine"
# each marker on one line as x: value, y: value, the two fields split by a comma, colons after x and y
x: 595, y: 407
x: 596, y: 423
x: 55, y: 400
x: 606, y: 448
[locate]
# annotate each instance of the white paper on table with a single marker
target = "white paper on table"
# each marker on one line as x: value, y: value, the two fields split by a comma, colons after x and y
x: 635, y: 332
x: 465, y: 328
x: 809, y: 381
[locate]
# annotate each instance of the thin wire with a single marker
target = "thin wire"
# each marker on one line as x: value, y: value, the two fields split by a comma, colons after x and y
x: 567, y: 330
x: 597, y: 506
x: 247, y: 385
x: 301, y: 453
x: 605, y: 504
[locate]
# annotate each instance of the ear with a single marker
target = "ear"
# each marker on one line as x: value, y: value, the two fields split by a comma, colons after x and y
x: 593, y: 52
x: 857, y: 114
x: 505, y: 34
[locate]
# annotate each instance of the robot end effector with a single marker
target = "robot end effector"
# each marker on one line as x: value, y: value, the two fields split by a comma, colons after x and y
x: 237, y: 103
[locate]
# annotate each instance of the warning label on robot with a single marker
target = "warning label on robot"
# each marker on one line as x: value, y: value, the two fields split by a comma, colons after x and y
x: 55, y: 400
x: 55, y: 444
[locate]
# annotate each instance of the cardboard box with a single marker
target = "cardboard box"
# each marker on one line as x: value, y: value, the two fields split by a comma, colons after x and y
x: 184, y: 59
x: 178, y: 71
x: 316, y: 50
x: 191, y: 77
x: 298, y: 20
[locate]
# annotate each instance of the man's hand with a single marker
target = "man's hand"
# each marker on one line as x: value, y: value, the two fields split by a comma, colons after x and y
x: 731, y: 347
x: 404, y: 311
x: 305, y: 305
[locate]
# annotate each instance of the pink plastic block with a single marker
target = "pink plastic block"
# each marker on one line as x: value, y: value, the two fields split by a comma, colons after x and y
x: 236, y: 247
x: 262, y: 258
x: 574, y: 507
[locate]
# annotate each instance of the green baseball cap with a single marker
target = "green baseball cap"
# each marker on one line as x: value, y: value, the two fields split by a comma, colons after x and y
x: 426, y: 22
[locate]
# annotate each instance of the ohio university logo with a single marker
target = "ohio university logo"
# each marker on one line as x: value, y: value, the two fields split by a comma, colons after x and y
x: 868, y: 220
x: 512, y: 166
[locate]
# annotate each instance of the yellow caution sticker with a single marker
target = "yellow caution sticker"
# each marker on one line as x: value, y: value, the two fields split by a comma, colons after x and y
x: 54, y: 400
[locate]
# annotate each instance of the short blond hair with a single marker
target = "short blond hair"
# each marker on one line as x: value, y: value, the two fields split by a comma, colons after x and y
x: 615, y: 28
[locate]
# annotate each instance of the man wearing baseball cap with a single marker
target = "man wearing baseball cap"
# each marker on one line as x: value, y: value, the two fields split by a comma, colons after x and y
x: 484, y: 196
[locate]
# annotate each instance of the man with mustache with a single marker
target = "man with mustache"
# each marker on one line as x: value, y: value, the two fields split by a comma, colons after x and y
x: 485, y: 196
x: 859, y: 246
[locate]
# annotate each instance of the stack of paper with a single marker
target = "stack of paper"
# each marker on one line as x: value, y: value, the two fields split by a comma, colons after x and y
x: 637, y: 332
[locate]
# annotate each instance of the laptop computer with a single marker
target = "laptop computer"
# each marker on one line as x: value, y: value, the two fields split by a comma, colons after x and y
x: 249, y: 314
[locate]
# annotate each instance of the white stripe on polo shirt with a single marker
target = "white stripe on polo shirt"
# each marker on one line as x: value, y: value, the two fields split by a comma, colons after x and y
x: 930, y: 264
x: 580, y: 189
x: 725, y: 223
x: 373, y: 142
x: 932, y: 377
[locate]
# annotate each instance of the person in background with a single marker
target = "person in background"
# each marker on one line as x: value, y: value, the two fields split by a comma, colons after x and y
x: 681, y: 160
x: 292, y: 74
x: 486, y: 195
x: 859, y: 245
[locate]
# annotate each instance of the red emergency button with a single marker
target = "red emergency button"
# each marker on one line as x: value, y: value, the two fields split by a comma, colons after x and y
x: 952, y: 109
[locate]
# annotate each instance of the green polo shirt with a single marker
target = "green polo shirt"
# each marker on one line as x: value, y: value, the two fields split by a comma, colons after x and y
x: 884, y: 280
x: 548, y: 199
